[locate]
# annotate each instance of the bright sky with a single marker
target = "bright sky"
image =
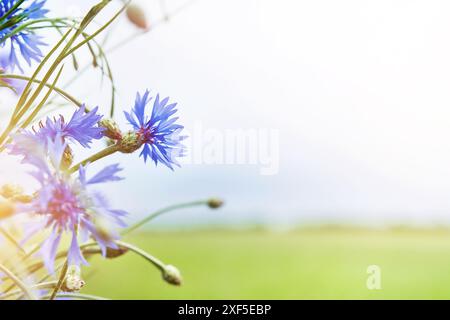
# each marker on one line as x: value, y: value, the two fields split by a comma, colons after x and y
x: 358, y: 90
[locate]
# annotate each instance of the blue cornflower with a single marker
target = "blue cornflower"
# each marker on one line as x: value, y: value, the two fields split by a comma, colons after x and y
x: 66, y: 204
x: 159, y: 134
x: 13, y: 15
x: 82, y: 127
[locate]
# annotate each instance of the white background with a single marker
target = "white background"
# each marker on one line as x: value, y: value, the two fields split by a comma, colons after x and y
x: 359, y: 91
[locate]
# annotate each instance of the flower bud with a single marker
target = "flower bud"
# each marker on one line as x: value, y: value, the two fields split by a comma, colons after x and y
x: 7, y: 209
x: 172, y: 275
x: 136, y: 16
x: 130, y: 142
x: 73, y: 281
x: 67, y: 158
x: 112, y: 129
x: 215, y: 203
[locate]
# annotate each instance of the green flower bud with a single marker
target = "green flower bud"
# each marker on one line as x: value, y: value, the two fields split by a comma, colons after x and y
x: 130, y: 142
x: 215, y: 203
x: 112, y: 129
x: 67, y: 158
x: 172, y: 275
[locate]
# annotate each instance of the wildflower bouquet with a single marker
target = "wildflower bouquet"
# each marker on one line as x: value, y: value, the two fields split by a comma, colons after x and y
x: 65, y: 221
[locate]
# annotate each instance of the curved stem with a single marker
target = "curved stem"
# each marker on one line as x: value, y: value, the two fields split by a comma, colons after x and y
x: 23, y: 105
x: 162, y: 211
x: 11, y: 239
x: 44, y: 285
x: 23, y: 98
x: 99, y: 155
x: 18, y: 282
x: 43, y: 101
x: 76, y: 296
x: 100, y: 30
x: 131, y: 38
x: 14, y: 7
x: 56, y: 89
x: 60, y: 280
x: 155, y: 261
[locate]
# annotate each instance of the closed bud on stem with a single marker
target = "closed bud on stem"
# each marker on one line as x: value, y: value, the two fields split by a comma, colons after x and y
x: 172, y: 275
x: 136, y: 15
x: 112, y: 129
x: 7, y: 209
x: 130, y: 142
x: 215, y: 203
x: 67, y: 158
x: 73, y: 281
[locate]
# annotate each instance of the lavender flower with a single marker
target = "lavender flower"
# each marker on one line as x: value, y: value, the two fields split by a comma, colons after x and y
x: 66, y: 204
x: 14, y: 14
x: 160, y: 135
x: 82, y: 127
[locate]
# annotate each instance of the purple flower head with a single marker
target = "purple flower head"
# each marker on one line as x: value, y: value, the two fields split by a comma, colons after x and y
x: 82, y: 127
x: 12, y: 16
x: 68, y: 206
x: 159, y: 133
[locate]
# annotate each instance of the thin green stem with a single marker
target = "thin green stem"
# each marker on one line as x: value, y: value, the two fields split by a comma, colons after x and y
x: 162, y: 211
x: 43, y: 285
x: 26, y: 26
x: 131, y: 38
x: 100, y: 30
x: 62, y: 92
x: 155, y: 261
x: 18, y: 282
x: 24, y: 104
x: 13, y: 8
x: 11, y: 239
x: 26, y: 92
x: 43, y: 101
x: 78, y: 296
x: 99, y: 155
x: 61, y: 279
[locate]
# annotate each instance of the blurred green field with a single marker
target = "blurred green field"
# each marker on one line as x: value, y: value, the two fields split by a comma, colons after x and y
x: 314, y: 264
